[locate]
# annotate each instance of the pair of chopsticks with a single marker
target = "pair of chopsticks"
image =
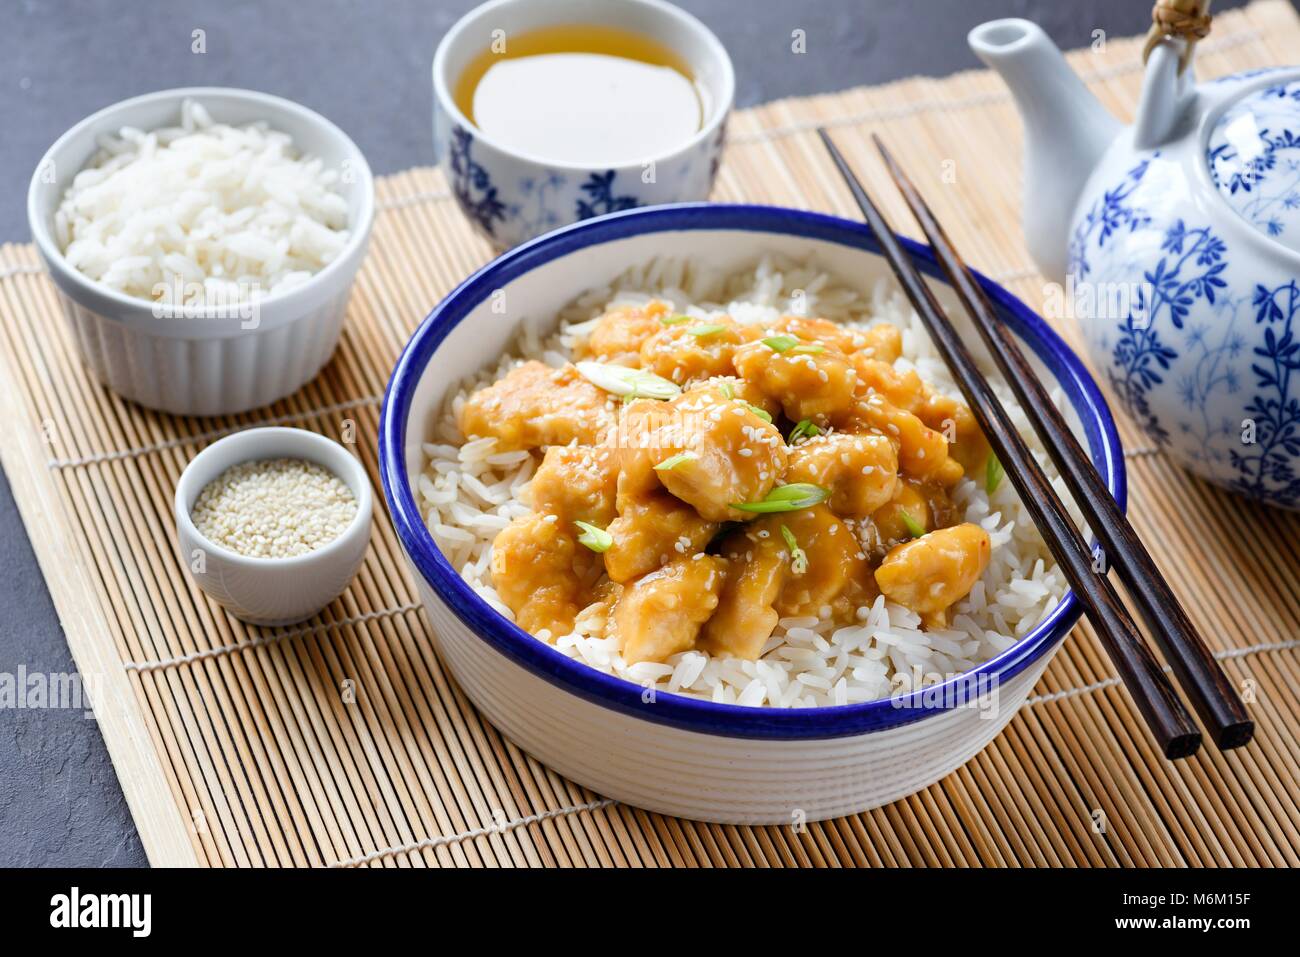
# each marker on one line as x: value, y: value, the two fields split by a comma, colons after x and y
x: 1210, y: 691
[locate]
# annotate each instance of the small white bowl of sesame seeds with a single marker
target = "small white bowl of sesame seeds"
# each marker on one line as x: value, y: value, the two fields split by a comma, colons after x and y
x: 273, y: 523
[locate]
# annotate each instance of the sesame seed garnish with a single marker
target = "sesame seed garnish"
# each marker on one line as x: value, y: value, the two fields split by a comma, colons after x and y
x: 274, y: 508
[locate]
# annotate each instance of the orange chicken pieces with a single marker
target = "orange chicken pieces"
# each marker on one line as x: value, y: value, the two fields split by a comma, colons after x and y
x: 697, y: 349
x: 619, y: 334
x: 535, y: 406
x: 933, y: 572
x: 710, y: 451
x: 576, y: 483
x: 808, y: 384
x: 630, y: 496
x: 661, y: 613
x: 861, y: 471
x: 794, y: 564
x: 922, y: 452
x: 649, y: 531
x: 541, y: 573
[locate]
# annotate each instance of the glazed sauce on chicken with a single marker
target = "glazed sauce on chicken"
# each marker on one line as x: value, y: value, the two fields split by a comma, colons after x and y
x: 703, y: 480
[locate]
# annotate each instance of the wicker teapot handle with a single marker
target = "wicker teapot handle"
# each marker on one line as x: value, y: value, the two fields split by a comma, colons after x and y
x: 1187, y: 20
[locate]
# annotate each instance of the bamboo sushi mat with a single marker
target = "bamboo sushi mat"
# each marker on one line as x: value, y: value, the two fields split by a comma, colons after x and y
x: 342, y: 742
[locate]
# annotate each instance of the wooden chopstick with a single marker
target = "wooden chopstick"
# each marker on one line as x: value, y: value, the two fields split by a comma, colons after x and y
x: 1201, y: 677
x: 1164, y: 712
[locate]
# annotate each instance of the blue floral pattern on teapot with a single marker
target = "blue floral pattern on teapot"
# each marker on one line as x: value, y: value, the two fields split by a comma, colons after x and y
x: 1254, y: 158
x: 1204, y: 361
x: 1182, y: 233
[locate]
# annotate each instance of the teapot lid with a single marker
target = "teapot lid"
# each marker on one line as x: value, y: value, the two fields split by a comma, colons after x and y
x: 1254, y: 158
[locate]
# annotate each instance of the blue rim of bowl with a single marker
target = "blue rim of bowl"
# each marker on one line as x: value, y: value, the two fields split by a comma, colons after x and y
x: 679, y: 711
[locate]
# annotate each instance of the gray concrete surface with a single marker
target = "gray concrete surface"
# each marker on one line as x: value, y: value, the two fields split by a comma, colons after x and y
x: 365, y: 65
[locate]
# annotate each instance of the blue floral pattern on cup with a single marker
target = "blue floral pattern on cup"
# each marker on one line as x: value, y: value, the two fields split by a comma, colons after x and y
x: 600, y: 198
x: 472, y: 185
x: 536, y: 210
x: 511, y: 199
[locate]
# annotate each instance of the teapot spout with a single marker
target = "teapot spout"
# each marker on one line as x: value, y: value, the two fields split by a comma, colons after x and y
x: 1066, y: 131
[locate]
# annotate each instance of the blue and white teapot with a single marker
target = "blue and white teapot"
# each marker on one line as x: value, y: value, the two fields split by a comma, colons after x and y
x: 1177, y: 241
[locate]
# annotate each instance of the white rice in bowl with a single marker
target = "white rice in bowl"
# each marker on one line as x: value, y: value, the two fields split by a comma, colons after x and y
x: 470, y: 492
x: 202, y: 213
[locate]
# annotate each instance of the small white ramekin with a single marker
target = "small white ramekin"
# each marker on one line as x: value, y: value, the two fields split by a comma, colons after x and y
x: 511, y: 196
x: 273, y: 591
x: 205, y: 365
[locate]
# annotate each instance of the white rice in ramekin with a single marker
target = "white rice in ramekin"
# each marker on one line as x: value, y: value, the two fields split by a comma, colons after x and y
x: 471, y: 493
x: 202, y: 214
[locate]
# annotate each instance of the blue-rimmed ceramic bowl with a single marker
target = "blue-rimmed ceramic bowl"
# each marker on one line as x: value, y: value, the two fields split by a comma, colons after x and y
x: 674, y: 754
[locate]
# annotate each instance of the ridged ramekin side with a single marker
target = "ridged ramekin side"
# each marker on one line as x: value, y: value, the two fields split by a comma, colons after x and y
x: 213, y: 376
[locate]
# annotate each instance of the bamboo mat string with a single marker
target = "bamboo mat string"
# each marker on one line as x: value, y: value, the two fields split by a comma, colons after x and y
x: 342, y: 742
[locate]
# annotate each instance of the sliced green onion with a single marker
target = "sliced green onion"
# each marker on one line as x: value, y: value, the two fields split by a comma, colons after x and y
x: 727, y: 391
x: 629, y: 383
x: 760, y: 412
x: 703, y: 332
x: 670, y: 463
x: 595, y: 538
x: 674, y: 320
x: 798, y: 557
x: 791, y: 542
x: 809, y: 349
x: 914, y: 528
x: 993, y: 473
x: 805, y: 429
x: 787, y: 498
x: 780, y: 343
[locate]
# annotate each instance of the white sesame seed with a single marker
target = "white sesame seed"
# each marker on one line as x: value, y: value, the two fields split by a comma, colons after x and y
x: 274, y: 508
